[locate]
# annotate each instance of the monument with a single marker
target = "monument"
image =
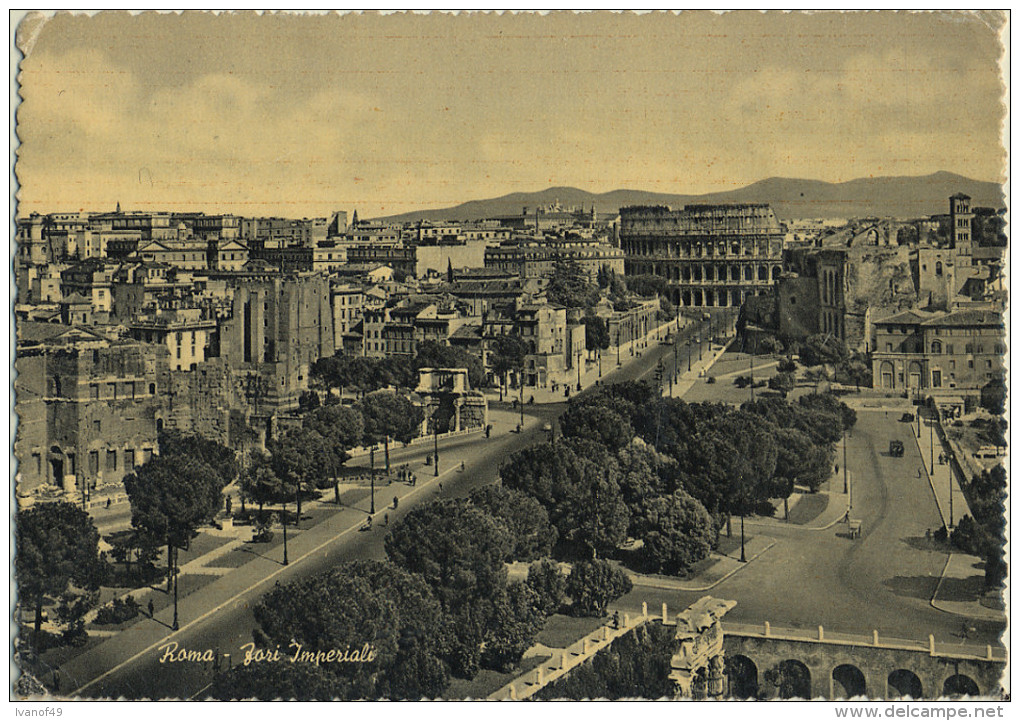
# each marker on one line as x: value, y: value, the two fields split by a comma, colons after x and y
x: 697, y: 666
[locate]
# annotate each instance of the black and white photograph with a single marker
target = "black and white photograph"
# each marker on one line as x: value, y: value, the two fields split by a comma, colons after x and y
x: 510, y: 356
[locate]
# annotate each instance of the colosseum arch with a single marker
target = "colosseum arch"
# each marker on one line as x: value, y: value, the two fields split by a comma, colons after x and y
x: 791, y: 679
x: 959, y: 685
x: 742, y: 677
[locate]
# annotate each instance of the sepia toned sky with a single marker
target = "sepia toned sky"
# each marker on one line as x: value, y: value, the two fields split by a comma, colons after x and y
x: 302, y: 115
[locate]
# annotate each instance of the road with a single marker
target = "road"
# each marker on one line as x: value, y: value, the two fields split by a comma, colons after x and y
x: 231, y: 626
x: 882, y: 581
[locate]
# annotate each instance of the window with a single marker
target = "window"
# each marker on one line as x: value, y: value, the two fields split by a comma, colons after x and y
x: 888, y: 347
x: 988, y: 364
x: 94, y: 391
x: 936, y: 347
x: 949, y: 349
x: 938, y: 267
x: 112, y: 388
x: 37, y: 462
x: 970, y: 364
x: 952, y: 365
x: 97, y: 426
x: 111, y: 460
x: 969, y: 348
x: 129, y: 459
x: 93, y: 462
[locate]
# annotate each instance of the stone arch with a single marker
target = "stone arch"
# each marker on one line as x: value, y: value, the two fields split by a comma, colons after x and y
x: 775, y: 272
x: 687, y: 272
x: 735, y: 295
x: 763, y: 273
x: 791, y: 679
x: 903, y: 683
x: 960, y: 685
x: 734, y: 272
x: 741, y: 676
x: 848, y: 682
x: 687, y: 297
x: 887, y: 375
x: 748, y: 273
x: 709, y: 297
x: 159, y: 424
x: 697, y: 298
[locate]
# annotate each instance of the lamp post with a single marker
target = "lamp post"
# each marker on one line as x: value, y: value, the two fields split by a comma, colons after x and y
x: 618, y: 346
x: 845, y: 487
x: 689, y: 354
x: 579, y: 369
x: 435, y: 442
x: 176, y: 625
x: 917, y: 408
x: 752, y: 377
x: 371, y: 458
x: 283, y: 520
x: 743, y: 555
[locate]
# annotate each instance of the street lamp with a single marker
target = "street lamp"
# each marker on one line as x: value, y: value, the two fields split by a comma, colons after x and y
x: 435, y: 442
x: 618, y: 346
x: 743, y: 555
x: 845, y: 488
x: 579, y: 369
x: 689, y: 354
x: 176, y: 625
x: 283, y: 520
x: 371, y: 459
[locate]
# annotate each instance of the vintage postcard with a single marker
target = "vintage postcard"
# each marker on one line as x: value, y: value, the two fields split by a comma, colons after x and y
x: 510, y: 356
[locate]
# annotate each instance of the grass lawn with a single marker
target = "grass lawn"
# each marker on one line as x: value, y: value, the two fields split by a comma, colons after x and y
x: 200, y: 545
x: 808, y: 508
x: 560, y: 630
x: 488, y: 682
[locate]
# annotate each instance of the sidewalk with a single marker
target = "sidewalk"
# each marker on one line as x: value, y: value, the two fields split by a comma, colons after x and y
x: 945, y: 485
x: 145, y: 634
x: 698, y: 369
x: 961, y: 588
x: 590, y: 370
x: 725, y: 565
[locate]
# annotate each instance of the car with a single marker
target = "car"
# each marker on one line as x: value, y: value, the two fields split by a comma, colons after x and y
x: 896, y: 449
x: 907, y: 418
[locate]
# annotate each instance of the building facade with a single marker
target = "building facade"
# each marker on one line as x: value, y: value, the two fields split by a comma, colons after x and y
x: 711, y: 255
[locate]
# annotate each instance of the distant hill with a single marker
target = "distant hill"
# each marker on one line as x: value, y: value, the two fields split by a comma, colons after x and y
x: 898, y: 196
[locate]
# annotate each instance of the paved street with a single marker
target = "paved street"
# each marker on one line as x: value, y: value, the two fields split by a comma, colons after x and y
x: 885, y: 580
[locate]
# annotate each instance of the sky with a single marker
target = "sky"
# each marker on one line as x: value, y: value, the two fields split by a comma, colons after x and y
x: 303, y: 115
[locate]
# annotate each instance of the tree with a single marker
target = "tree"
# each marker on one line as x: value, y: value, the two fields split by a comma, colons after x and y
x: 359, y: 603
x: 57, y: 554
x: 598, y: 423
x: 783, y: 382
x: 594, y: 584
x: 523, y: 516
x: 647, y: 285
x: 829, y: 403
x: 343, y: 428
x: 571, y: 287
x: 645, y: 474
x: 596, y: 333
x: 259, y: 482
x: 438, y: 355
x: 275, y: 681
x: 300, y: 458
x: 680, y: 533
x: 823, y: 348
x: 221, y: 459
x: 516, y: 620
x: 389, y: 415
x: 171, y: 496
x: 993, y: 397
x: 547, y: 580
x: 576, y: 482
x: 459, y: 549
x: 508, y: 352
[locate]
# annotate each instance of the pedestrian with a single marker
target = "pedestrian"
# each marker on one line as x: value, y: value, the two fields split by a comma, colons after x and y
x: 616, y: 619
x: 927, y: 534
x: 386, y: 519
x: 440, y: 487
x: 152, y: 609
x: 109, y: 501
x: 395, y: 502
x: 462, y: 466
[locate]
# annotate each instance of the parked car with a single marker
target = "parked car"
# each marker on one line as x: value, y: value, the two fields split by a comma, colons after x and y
x: 896, y: 449
x: 907, y: 418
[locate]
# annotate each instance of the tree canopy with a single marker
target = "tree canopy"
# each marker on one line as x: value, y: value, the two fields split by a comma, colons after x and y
x: 571, y: 287
x: 679, y: 533
x: 525, y: 518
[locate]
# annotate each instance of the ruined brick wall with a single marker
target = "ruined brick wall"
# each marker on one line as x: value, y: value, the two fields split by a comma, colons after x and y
x: 200, y: 401
x: 879, y: 279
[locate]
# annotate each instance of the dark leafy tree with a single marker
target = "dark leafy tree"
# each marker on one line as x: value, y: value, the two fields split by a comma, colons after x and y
x: 647, y: 285
x: 459, y: 549
x: 645, y: 474
x: 171, y: 496
x: 547, y: 580
x: 389, y: 415
x: 517, y: 619
x: 508, y: 352
x: 596, y: 333
x: 680, y: 533
x: 221, y: 459
x: 593, y: 585
x: 570, y: 286
x: 260, y: 484
x: 823, y: 348
x: 358, y: 603
x: 783, y: 382
x: 302, y: 459
x: 57, y: 555
x: 523, y: 516
x: 276, y: 681
x: 594, y: 422
x: 343, y: 429
x: 829, y: 403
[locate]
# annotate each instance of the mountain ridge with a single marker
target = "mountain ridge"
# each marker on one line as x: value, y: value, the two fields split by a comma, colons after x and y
x: 905, y: 196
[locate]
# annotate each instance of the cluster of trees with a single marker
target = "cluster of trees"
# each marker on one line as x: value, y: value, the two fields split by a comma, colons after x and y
x: 442, y: 605
x: 570, y: 286
x: 669, y: 473
x: 309, y: 457
x: 984, y: 534
x: 364, y: 375
x: 851, y: 368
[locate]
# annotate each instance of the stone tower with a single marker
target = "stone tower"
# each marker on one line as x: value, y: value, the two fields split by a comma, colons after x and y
x: 960, y: 217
